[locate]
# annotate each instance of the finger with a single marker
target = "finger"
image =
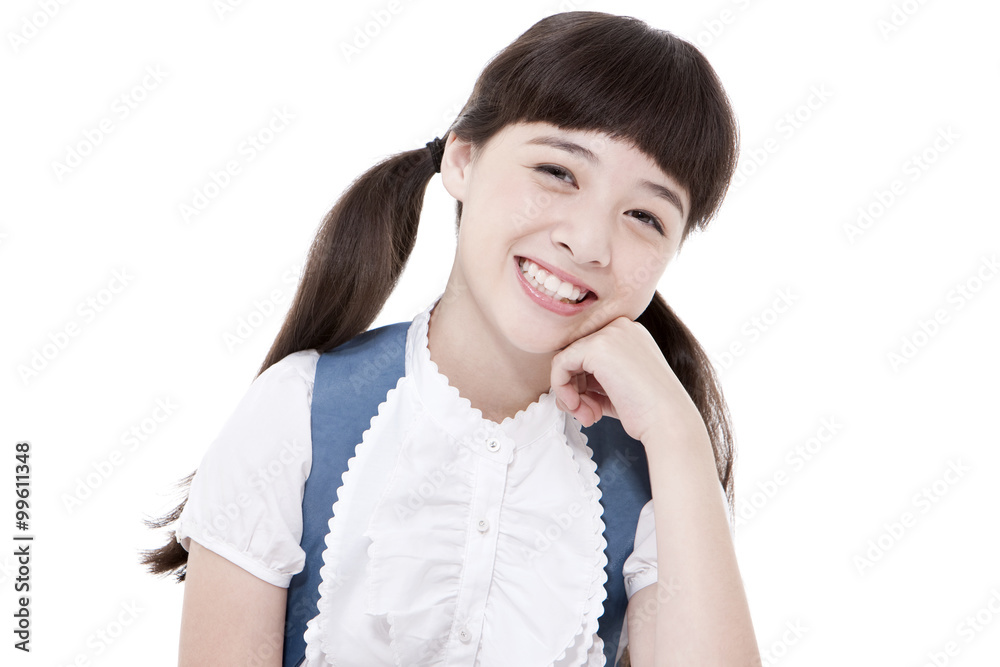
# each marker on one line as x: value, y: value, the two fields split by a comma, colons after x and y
x: 604, y: 403
x: 587, y: 410
x: 590, y: 410
x: 568, y: 396
x: 569, y: 362
x: 584, y: 406
x: 568, y: 377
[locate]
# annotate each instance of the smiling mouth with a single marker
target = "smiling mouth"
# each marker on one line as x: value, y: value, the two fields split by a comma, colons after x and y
x: 552, y: 286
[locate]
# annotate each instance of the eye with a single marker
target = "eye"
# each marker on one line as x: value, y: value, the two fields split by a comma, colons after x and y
x: 558, y: 172
x: 650, y: 220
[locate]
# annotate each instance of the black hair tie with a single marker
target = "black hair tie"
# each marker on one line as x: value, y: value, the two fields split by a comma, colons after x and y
x: 437, y: 151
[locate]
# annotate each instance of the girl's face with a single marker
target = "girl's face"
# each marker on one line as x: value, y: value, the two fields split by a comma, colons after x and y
x: 594, y: 211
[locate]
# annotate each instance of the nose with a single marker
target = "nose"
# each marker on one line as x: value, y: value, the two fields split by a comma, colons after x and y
x: 586, y: 232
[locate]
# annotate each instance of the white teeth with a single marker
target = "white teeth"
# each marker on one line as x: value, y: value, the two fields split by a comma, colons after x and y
x: 549, y: 284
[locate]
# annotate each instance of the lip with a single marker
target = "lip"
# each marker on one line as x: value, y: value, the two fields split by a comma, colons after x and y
x: 547, y: 302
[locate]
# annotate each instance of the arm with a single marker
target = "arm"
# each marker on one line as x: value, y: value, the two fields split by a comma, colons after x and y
x: 229, y: 616
x: 697, y: 612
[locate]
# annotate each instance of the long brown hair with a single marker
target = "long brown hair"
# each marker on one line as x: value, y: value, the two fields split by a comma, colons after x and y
x: 577, y: 70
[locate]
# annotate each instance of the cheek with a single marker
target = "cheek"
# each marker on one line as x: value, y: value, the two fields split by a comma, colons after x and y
x: 523, y: 207
x: 636, y: 285
x: 641, y: 270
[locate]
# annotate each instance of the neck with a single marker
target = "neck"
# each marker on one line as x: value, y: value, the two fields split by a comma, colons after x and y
x: 496, y: 378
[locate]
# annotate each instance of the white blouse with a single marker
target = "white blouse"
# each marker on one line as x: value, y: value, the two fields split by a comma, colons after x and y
x: 454, y: 541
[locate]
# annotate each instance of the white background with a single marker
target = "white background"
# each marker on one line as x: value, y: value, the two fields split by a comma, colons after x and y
x: 805, y: 524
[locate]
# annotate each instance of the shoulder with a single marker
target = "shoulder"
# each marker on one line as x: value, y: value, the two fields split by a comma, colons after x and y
x: 298, y: 368
x: 245, y: 499
x: 287, y: 382
x: 274, y: 411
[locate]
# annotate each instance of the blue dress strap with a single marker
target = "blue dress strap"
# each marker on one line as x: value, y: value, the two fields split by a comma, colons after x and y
x: 625, y: 489
x: 352, y: 380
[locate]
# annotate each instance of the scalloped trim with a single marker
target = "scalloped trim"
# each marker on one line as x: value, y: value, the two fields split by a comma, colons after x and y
x: 316, y: 637
x: 589, y: 624
x: 422, y: 348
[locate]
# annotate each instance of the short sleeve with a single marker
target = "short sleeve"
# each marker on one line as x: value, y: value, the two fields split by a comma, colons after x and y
x: 245, y: 501
x: 639, y: 569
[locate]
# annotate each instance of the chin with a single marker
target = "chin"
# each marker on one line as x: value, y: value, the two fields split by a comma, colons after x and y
x: 532, y: 339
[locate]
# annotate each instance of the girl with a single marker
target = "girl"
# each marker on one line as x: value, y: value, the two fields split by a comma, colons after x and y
x: 525, y: 417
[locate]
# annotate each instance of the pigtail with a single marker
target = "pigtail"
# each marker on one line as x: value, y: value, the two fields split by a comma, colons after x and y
x: 352, y: 267
x: 694, y: 369
x: 357, y: 256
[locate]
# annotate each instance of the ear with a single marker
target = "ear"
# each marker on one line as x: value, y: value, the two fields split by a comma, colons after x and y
x: 456, y: 166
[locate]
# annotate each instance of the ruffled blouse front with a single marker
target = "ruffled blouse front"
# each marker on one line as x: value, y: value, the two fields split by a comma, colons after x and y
x: 459, y: 541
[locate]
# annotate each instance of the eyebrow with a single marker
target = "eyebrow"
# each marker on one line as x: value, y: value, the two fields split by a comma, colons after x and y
x: 576, y: 149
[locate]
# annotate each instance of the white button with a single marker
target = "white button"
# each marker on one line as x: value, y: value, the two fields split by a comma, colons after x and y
x: 464, y: 636
x: 493, y: 445
x: 483, y: 525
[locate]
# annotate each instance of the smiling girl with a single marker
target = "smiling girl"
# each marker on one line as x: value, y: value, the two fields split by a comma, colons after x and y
x: 543, y: 474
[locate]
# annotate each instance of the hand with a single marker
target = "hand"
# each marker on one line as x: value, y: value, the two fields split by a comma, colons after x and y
x: 620, y: 372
